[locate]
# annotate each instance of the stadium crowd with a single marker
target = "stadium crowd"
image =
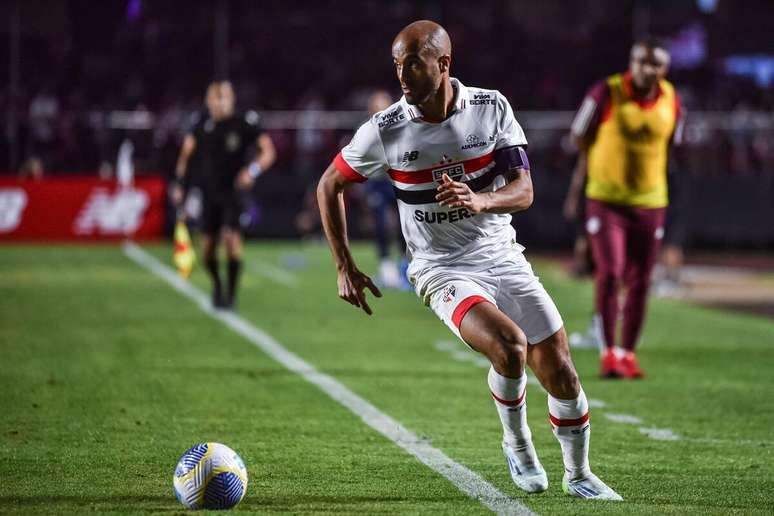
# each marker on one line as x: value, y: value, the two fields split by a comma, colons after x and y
x: 79, y: 65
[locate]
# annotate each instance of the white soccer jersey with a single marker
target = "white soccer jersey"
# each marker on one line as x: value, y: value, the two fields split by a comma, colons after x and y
x: 415, y: 154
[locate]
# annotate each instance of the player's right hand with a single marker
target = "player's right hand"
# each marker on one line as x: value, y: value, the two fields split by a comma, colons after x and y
x: 352, y: 285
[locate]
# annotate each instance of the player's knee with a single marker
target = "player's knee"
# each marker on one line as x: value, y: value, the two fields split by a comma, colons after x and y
x: 609, y: 277
x: 564, y: 380
x: 510, y: 351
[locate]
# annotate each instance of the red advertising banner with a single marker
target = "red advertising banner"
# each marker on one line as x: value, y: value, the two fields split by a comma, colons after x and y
x: 80, y: 208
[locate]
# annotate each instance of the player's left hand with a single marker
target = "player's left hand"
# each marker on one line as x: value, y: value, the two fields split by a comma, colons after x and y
x: 244, y: 180
x: 459, y: 195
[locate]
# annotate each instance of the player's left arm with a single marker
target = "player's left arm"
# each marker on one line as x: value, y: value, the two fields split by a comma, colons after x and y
x: 515, y: 196
x: 266, y: 153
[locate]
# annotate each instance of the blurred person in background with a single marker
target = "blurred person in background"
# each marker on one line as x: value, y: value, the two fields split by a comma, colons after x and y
x: 31, y: 169
x: 623, y: 129
x: 234, y: 152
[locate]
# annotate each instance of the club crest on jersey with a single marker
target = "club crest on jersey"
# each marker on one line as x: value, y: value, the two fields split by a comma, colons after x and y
x: 455, y: 172
x: 232, y: 142
x: 447, y: 296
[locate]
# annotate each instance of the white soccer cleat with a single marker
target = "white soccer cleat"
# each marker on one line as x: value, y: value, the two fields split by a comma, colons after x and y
x: 526, y: 471
x: 589, y: 486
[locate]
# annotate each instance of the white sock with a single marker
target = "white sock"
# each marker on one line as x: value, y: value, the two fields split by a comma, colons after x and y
x: 570, y: 422
x: 510, y: 399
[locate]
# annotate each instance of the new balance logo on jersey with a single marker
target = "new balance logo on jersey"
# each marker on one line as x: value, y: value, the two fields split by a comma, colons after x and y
x: 455, y: 172
x: 410, y: 156
x: 439, y: 217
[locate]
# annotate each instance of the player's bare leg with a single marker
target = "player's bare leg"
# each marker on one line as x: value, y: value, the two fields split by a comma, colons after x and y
x: 491, y: 332
x: 232, y: 239
x: 569, y: 414
x: 210, y: 255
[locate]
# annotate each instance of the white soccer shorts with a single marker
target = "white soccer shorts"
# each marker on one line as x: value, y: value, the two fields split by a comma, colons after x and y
x: 510, y: 285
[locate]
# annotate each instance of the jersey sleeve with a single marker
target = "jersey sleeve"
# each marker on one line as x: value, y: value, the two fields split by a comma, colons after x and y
x: 364, y: 156
x: 252, y: 125
x: 591, y: 111
x: 194, y: 125
x: 509, y: 132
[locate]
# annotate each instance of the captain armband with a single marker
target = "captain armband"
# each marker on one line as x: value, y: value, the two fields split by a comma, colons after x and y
x: 510, y: 158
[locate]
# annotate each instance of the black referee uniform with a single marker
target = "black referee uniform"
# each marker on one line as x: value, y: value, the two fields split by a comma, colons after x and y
x: 226, y: 146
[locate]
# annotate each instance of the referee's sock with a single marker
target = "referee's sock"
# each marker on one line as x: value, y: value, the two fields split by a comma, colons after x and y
x: 234, y: 268
x: 212, y: 268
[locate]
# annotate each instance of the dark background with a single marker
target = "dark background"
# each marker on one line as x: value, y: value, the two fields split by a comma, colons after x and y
x: 69, y: 66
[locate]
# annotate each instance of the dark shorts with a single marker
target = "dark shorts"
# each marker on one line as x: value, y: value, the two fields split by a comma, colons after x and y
x: 222, y: 210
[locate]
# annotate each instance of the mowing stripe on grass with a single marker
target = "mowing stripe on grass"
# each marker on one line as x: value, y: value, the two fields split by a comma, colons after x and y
x: 467, y: 481
x: 273, y: 273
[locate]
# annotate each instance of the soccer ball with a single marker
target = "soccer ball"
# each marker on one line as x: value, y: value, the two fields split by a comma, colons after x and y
x: 210, y: 476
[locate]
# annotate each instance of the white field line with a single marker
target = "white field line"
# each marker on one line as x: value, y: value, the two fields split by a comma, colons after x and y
x: 272, y: 273
x: 464, y: 479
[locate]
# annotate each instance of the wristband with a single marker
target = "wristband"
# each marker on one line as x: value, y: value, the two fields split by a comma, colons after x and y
x: 254, y: 170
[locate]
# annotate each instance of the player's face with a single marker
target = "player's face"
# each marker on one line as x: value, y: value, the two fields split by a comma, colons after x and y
x: 213, y: 101
x: 419, y: 74
x: 220, y: 100
x: 648, y: 66
x: 227, y: 98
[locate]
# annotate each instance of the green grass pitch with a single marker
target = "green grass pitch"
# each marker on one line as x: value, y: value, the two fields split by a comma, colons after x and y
x: 108, y: 375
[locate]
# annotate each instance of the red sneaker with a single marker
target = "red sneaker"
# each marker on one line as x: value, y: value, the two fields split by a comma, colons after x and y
x: 609, y: 367
x: 628, y: 366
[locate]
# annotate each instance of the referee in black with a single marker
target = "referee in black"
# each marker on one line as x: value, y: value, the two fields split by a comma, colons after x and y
x: 234, y: 152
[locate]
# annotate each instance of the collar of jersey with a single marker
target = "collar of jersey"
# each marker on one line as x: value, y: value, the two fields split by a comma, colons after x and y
x: 460, y: 101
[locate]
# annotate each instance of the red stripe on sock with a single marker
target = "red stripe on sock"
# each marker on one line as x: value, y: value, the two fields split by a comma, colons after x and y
x: 514, y: 403
x: 569, y: 422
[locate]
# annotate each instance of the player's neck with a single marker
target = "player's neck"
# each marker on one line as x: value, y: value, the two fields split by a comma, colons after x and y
x: 438, y: 107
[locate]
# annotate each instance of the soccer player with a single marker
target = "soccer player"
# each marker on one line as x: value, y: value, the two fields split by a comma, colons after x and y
x: 456, y: 158
x: 225, y: 141
x: 623, y: 130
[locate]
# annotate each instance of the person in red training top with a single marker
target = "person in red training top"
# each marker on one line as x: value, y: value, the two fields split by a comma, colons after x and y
x: 623, y: 129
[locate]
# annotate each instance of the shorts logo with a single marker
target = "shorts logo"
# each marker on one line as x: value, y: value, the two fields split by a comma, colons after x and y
x: 593, y: 225
x: 455, y: 172
x: 447, y: 296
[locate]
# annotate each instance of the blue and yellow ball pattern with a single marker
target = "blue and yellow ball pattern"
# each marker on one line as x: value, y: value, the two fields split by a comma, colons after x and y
x: 210, y: 476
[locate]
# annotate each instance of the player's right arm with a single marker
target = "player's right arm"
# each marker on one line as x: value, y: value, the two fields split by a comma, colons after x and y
x: 186, y: 151
x: 330, y: 198
x: 363, y: 157
x: 584, y: 131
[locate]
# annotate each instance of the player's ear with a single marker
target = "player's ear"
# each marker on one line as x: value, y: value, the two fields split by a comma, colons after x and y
x: 444, y: 63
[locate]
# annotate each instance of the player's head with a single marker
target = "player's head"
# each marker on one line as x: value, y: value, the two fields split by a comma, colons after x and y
x: 220, y: 99
x: 648, y: 62
x: 422, y: 56
x: 379, y: 100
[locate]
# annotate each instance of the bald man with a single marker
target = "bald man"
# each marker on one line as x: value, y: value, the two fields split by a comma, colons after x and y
x: 456, y: 158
